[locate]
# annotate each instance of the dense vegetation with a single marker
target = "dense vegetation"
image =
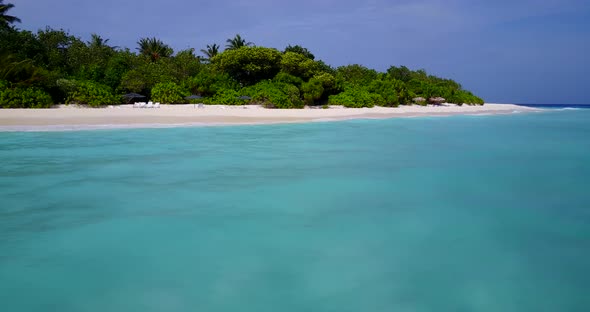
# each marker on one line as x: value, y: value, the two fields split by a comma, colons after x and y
x: 53, y: 66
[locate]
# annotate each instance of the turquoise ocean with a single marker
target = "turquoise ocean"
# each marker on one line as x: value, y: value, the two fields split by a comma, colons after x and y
x: 462, y: 213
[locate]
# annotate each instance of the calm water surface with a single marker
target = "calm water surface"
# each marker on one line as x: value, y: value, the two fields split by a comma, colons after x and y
x: 472, y: 213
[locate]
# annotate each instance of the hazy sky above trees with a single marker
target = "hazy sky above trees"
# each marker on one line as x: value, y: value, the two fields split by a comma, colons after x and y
x: 523, y: 51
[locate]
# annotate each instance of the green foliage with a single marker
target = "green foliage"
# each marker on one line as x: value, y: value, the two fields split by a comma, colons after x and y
x: 289, y: 79
x: 273, y: 94
x: 87, y: 92
x: 355, y: 75
x: 19, y: 72
x: 154, y: 48
x: 225, y: 97
x: 211, y: 51
x: 356, y: 97
x: 21, y: 44
x: 186, y: 64
x: 58, y: 63
x: 146, y: 75
x: 402, y: 73
x: 298, y: 65
x: 6, y: 19
x: 319, y: 88
x: 312, y: 91
x: 209, y: 82
x: 300, y: 50
x: 169, y: 93
x: 386, y: 89
x: 328, y: 83
x: 236, y: 43
x: 248, y: 65
x: 56, y: 46
x: 23, y: 97
x: 464, y: 97
x: 116, y: 68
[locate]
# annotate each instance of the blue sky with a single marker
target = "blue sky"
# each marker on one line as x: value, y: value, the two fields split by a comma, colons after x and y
x: 518, y: 51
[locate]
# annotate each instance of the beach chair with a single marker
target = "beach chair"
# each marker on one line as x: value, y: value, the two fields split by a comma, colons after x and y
x: 142, y: 104
x: 157, y: 105
x: 149, y: 105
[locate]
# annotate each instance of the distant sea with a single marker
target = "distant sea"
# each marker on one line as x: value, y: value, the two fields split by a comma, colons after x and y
x: 461, y: 213
x: 557, y: 106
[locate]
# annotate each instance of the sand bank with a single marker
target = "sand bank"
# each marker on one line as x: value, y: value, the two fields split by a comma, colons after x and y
x: 125, y: 116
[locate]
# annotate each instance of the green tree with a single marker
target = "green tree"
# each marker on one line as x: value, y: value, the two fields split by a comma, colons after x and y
x: 97, y: 41
x: 31, y: 97
x: 5, y: 19
x: 274, y: 94
x: 210, y: 81
x: 169, y: 93
x: 249, y: 65
x: 400, y: 73
x: 211, y: 51
x: 301, y: 50
x: 386, y: 89
x: 186, y: 64
x: 312, y: 91
x: 143, y: 77
x: 56, y: 46
x: 154, y: 48
x: 356, y: 97
x: 88, y: 92
x: 298, y: 65
x: 19, y: 73
x: 356, y: 75
x: 237, y: 42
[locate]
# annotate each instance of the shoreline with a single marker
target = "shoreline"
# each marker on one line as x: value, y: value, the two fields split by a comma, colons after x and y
x: 71, y: 118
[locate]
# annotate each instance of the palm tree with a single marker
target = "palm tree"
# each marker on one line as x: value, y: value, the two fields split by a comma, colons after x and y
x: 301, y: 50
x: 211, y: 50
x: 97, y: 41
x: 5, y: 20
x: 18, y: 72
x: 154, y: 48
x: 236, y: 43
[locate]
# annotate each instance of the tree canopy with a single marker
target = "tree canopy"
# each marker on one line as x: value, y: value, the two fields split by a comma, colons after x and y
x: 50, y: 66
x: 5, y: 19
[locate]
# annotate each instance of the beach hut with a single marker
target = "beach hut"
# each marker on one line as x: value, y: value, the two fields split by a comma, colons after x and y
x: 419, y: 100
x: 130, y: 97
x: 436, y: 100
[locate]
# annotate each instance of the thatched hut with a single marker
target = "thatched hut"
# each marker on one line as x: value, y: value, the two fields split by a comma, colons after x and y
x: 436, y: 100
x: 419, y: 100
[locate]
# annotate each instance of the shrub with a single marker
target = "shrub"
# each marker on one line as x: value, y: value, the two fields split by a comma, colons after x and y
x: 209, y: 82
x: 249, y: 65
x: 287, y: 78
x: 275, y: 94
x: 312, y: 91
x: 24, y: 98
x: 91, y: 93
x: 464, y: 97
x: 224, y: 96
x: 386, y: 89
x: 168, y: 92
x: 356, y: 97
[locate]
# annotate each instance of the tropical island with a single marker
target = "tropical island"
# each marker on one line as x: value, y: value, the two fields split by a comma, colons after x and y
x: 38, y: 70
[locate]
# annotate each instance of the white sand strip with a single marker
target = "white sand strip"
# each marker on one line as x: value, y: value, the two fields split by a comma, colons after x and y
x: 126, y: 116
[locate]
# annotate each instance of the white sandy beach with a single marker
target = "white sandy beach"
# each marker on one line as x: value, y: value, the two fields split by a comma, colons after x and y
x: 123, y: 116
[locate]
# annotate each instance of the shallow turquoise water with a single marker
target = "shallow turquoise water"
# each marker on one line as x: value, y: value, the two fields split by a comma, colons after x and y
x: 479, y: 213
